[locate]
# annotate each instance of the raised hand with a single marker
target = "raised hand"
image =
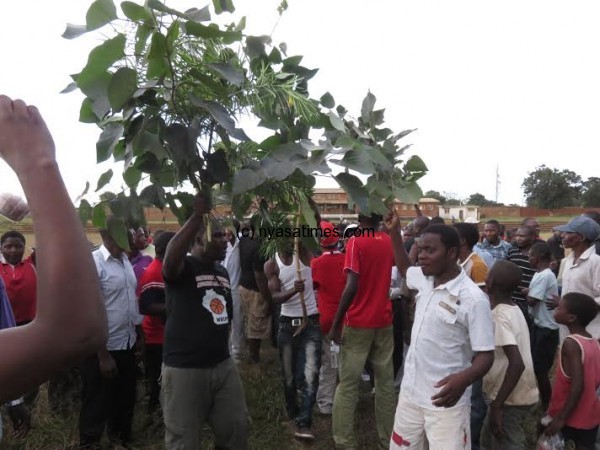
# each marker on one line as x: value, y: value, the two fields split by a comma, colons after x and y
x: 25, y: 142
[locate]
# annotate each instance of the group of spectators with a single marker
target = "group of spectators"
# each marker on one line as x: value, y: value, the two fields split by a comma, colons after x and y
x: 481, y: 319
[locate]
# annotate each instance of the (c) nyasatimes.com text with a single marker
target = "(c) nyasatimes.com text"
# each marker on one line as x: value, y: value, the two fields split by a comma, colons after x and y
x: 303, y: 232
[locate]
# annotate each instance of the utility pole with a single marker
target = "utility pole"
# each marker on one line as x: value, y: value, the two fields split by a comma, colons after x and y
x: 497, y: 183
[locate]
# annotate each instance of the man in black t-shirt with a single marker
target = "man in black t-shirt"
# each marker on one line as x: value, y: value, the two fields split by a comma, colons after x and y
x: 200, y: 382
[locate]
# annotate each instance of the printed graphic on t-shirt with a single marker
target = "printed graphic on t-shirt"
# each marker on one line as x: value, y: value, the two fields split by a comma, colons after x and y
x: 216, y: 305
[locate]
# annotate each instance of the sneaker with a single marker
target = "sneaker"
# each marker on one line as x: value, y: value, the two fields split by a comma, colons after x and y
x: 304, y: 433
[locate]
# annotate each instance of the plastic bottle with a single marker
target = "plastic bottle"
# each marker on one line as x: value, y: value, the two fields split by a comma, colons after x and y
x: 335, y: 355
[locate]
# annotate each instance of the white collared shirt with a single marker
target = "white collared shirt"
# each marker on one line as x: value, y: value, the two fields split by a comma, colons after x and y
x: 582, y: 276
x: 232, y: 264
x: 452, y: 321
x: 118, y: 285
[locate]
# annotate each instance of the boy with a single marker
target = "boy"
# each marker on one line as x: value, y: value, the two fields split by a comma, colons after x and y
x: 574, y: 407
x: 510, y: 383
x: 544, y: 336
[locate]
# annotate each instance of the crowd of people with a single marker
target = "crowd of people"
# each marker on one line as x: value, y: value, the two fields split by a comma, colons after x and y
x: 456, y: 329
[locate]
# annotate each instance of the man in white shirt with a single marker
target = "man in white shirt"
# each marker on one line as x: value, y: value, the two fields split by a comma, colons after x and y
x: 109, y: 377
x: 452, y: 344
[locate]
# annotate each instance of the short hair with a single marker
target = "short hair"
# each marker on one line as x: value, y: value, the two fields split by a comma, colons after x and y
x: 506, y: 276
x: 161, y: 242
x: 12, y: 234
x: 494, y: 222
x: 437, y: 220
x: 527, y: 219
x: 421, y: 222
x: 541, y: 250
x: 468, y: 231
x: 448, y: 235
x: 373, y: 219
x: 582, y: 306
x: 529, y: 230
x: 594, y: 215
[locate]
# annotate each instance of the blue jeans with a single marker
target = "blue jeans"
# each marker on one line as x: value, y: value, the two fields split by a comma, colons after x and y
x: 478, y: 413
x: 300, y: 364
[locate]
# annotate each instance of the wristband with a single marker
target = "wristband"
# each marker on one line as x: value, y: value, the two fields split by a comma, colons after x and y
x: 16, y: 402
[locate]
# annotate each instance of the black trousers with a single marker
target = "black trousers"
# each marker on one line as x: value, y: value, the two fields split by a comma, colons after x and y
x: 398, y: 333
x: 107, y: 402
x: 153, y: 366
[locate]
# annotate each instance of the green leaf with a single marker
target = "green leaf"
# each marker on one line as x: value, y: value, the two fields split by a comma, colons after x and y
x: 275, y: 56
x: 132, y: 176
x: 154, y: 195
x: 119, y: 232
x: 69, y: 88
x: 336, y: 122
x: 85, y: 211
x: 72, y: 31
x: 403, y: 133
x: 211, y: 32
x: 357, y: 193
x: 292, y: 61
x: 100, y: 59
x: 277, y: 170
x: 141, y: 38
x: 307, y: 212
x: 217, y: 169
x: 415, y: 164
x: 241, y: 26
x: 367, y: 107
x: 121, y: 87
x: 199, y: 15
x: 99, y: 216
x: 410, y: 193
x: 107, y: 141
x: 158, y: 5
x: 223, y: 6
x: 135, y: 12
x: 99, y: 14
x: 86, y: 112
x: 157, y: 63
x: 357, y: 160
x: 221, y: 115
x: 255, y: 46
x: 229, y: 73
x: 247, y: 179
x: 104, y: 179
x: 172, y: 35
x: 327, y: 100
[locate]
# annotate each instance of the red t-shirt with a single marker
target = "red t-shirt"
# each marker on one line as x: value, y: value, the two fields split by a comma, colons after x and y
x: 372, y: 259
x: 21, y: 281
x: 329, y: 280
x: 152, y: 289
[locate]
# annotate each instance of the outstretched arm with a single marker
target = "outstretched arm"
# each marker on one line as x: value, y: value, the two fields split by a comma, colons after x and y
x: 178, y: 247
x: 392, y: 223
x: 71, y: 319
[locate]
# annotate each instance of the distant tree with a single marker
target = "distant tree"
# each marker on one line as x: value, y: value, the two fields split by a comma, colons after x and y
x: 591, y: 193
x: 436, y: 195
x: 452, y: 198
x: 480, y: 200
x: 548, y: 188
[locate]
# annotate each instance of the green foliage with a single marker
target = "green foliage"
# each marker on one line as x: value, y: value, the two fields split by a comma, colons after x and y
x: 591, y: 193
x: 480, y: 200
x: 167, y: 91
x: 548, y: 188
x: 436, y: 195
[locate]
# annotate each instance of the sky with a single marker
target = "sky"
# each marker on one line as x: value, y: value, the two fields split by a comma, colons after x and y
x: 509, y: 85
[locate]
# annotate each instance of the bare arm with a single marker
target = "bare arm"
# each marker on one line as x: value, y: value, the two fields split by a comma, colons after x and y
x: 31, y: 354
x: 392, y: 223
x: 515, y: 368
x: 178, y: 247
x: 348, y: 295
x: 272, y: 275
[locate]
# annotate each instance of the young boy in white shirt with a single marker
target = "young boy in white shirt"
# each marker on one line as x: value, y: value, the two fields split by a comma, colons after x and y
x: 544, y: 334
x: 510, y: 384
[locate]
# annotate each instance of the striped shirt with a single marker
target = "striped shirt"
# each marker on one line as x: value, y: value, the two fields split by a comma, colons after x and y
x: 521, y: 260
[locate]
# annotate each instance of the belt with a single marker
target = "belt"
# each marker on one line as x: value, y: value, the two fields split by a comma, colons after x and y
x: 287, y: 319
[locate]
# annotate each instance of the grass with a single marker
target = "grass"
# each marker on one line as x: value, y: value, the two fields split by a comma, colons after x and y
x: 270, y: 428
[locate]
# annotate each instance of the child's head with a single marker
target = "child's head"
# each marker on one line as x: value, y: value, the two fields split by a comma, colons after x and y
x: 575, y: 308
x: 539, y: 254
x: 502, y: 279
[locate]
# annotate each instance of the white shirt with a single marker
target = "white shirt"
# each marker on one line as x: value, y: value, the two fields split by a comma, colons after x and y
x: 543, y: 287
x: 118, y: 284
x: 232, y: 264
x: 452, y: 321
x: 287, y: 277
x: 583, y: 276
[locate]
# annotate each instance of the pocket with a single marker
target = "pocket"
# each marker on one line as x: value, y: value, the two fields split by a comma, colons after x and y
x: 446, y: 312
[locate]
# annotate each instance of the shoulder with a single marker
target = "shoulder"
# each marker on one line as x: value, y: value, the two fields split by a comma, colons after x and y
x: 271, y: 267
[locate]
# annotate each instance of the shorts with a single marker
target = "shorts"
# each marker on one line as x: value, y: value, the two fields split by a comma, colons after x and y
x: 544, y: 343
x: 257, y: 320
